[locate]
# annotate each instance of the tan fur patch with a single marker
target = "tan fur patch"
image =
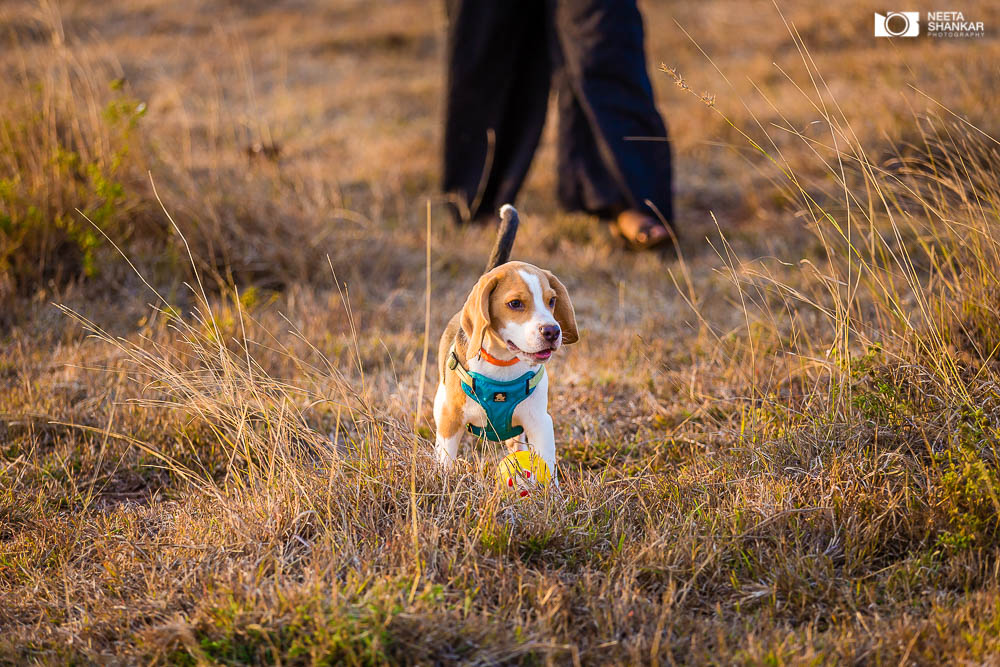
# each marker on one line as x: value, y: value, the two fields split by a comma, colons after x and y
x: 510, y: 289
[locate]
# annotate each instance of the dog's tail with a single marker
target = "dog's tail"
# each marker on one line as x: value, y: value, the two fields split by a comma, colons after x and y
x: 505, y: 237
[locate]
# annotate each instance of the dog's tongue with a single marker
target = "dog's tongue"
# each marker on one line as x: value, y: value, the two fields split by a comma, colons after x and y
x: 543, y: 355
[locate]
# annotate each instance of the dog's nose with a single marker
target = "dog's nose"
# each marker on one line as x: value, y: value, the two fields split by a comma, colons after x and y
x: 550, y: 332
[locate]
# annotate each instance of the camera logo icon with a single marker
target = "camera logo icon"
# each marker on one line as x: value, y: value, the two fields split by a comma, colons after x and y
x: 897, y: 24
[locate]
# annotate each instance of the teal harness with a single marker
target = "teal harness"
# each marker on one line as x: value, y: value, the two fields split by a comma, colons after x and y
x: 497, y: 398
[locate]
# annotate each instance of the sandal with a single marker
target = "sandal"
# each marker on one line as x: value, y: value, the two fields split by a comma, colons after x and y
x: 640, y: 231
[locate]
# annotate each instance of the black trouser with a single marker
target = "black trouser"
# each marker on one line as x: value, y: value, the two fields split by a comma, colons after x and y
x: 503, y: 56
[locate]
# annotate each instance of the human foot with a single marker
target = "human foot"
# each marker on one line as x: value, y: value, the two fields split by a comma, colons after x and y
x: 639, y: 230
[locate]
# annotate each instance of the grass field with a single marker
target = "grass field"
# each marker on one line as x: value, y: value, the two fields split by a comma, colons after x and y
x: 215, y: 445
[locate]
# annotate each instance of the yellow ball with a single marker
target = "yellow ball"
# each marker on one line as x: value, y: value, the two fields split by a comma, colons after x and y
x: 522, y: 471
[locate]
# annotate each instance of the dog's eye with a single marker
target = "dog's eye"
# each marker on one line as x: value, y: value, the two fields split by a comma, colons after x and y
x: 552, y: 303
x: 515, y: 304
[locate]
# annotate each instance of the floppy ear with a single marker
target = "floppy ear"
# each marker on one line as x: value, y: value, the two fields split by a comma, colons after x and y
x: 476, y: 313
x: 564, y: 313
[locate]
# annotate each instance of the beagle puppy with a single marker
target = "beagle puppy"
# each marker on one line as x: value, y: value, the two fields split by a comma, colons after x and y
x: 491, y: 373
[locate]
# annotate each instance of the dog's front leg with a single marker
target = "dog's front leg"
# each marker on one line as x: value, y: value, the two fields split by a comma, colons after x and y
x: 447, y: 421
x: 541, y: 437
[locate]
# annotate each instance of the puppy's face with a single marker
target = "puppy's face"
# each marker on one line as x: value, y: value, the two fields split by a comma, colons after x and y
x: 523, y: 307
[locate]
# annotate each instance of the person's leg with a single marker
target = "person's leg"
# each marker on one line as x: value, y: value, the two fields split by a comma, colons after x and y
x: 609, y: 162
x: 496, y: 95
x: 583, y: 181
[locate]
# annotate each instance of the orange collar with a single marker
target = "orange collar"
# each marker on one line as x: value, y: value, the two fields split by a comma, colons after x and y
x: 493, y: 360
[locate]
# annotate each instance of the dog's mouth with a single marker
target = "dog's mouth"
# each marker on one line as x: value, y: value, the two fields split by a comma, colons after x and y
x: 538, y: 356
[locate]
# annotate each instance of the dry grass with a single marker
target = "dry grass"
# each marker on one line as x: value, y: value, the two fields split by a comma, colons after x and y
x: 780, y: 448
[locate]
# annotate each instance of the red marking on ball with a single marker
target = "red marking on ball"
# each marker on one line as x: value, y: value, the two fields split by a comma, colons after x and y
x: 524, y: 493
x: 527, y: 474
x: 510, y: 482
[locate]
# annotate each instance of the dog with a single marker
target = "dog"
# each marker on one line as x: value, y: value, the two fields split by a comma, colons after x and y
x: 491, y: 358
